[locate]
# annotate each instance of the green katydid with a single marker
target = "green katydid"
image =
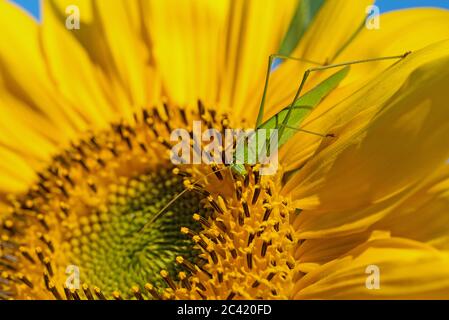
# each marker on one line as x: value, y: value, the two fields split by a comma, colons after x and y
x: 291, y: 116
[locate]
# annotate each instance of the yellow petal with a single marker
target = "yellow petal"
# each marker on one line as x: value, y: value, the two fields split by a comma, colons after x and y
x: 85, y: 8
x: 400, y: 31
x: 216, y: 50
x: 91, y: 36
x: 120, y: 50
x: 24, y: 71
x: 121, y: 26
x: 293, y: 154
x: 25, y: 131
x: 186, y: 39
x: 10, y: 183
x: 366, y: 171
x: 255, y: 30
x: 310, y: 254
x: 73, y: 73
x: 335, y: 24
x: 423, y: 216
x: 15, y: 172
x: 320, y: 251
x: 407, y: 270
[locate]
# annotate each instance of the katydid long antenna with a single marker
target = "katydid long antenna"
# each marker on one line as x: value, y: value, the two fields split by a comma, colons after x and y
x: 284, y: 125
x: 160, y: 213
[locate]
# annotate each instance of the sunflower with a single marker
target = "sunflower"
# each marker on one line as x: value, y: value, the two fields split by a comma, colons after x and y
x: 86, y: 181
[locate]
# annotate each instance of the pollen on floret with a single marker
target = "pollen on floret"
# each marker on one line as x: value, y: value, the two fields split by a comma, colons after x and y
x: 246, y: 246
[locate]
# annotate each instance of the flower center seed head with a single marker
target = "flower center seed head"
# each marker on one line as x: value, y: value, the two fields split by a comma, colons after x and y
x: 111, y: 249
x: 88, y: 209
x: 114, y: 207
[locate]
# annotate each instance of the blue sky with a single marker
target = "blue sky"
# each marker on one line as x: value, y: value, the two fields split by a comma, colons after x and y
x: 385, y: 5
x: 31, y: 5
x: 388, y: 5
